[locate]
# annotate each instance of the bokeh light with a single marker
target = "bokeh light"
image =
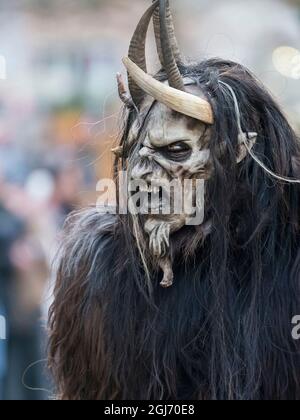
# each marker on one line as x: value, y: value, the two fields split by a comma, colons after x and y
x: 287, y: 61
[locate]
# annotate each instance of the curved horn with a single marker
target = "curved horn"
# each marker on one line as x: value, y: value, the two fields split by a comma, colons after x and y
x: 171, y: 30
x: 182, y: 102
x: 170, y: 65
x: 137, y: 52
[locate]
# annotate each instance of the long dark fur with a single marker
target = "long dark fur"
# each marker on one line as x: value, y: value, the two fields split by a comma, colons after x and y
x: 223, y: 331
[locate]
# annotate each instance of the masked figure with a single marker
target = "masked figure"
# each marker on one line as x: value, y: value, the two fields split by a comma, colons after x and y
x: 197, y: 303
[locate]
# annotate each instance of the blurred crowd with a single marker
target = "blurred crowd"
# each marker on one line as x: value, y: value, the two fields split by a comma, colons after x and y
x: 58, y: 112
x: 31, y: 215
x: 56, y: 119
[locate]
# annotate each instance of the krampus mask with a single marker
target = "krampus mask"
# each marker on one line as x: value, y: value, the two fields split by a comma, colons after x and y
x: 170, y: 137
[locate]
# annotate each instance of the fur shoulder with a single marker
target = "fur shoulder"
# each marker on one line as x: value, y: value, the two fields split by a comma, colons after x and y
x: 88, y: 236
x: 88, y: 223
x: 85, y: 266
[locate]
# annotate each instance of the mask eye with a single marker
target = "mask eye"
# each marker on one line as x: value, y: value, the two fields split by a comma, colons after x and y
x: 177, y: 151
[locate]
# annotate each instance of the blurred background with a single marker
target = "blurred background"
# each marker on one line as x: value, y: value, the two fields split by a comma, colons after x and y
x: 59, y: 117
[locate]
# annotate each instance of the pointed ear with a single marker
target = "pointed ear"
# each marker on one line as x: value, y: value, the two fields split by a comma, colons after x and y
x: 248, y: 139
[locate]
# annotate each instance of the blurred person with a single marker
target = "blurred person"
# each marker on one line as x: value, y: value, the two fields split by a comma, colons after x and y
x: 23, y: 275
x: 60, y: 185
x: 148, y: 307
x: 41, y: 206
x: 66, y: 195
x: 11, y: 229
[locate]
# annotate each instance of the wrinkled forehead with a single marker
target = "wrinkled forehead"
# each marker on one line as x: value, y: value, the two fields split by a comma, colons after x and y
x: 166, y: 123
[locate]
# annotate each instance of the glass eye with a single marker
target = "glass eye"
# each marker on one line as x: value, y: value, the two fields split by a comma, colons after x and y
x: 178, y: 148
x: 177, y: 151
